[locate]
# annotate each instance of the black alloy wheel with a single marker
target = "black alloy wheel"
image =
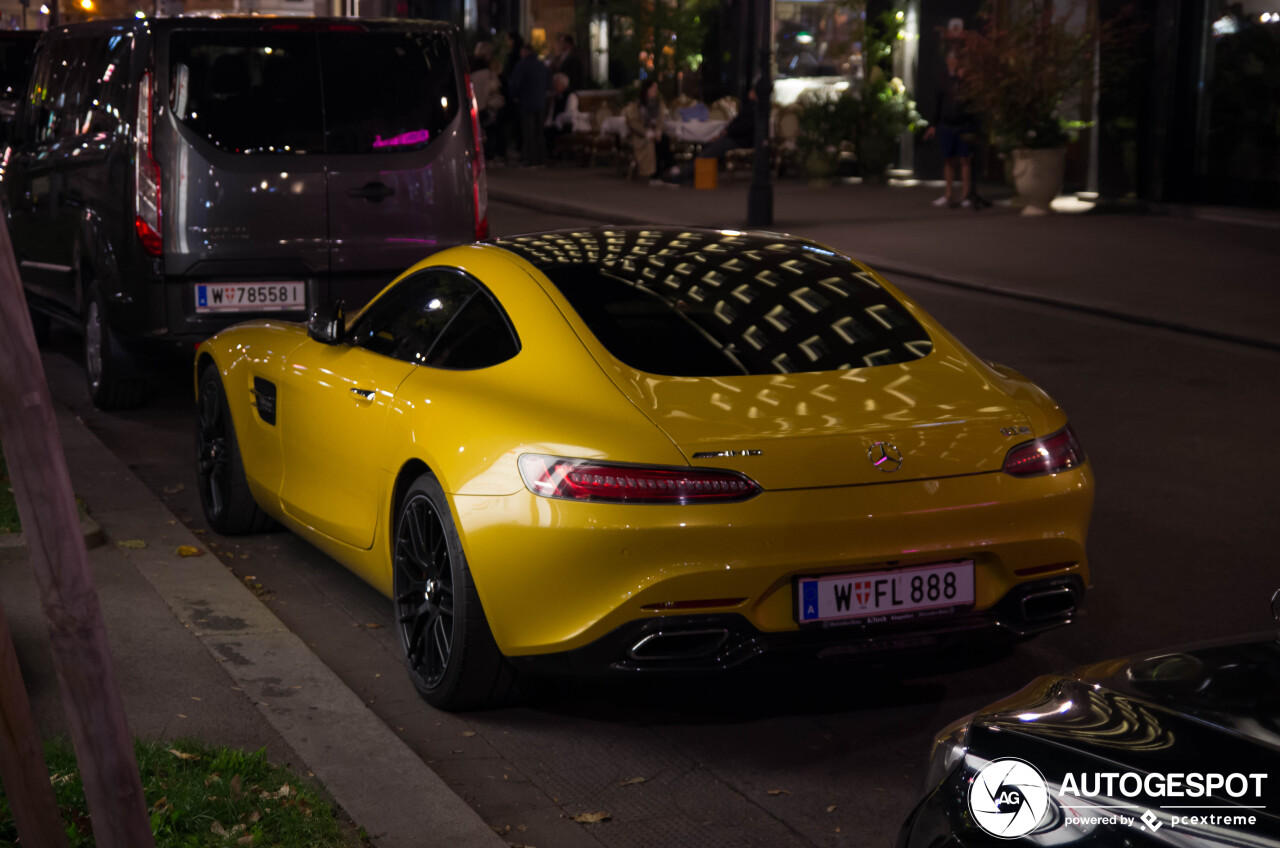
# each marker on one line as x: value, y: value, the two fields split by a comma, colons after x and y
x: 424, y: 591
x: 452, y: 658
x: 228, y: 504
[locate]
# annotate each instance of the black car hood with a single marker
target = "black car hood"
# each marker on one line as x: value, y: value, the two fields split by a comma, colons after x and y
x: 1207, y: 709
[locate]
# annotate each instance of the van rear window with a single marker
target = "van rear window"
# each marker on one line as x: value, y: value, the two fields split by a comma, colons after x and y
x: 282, y: 92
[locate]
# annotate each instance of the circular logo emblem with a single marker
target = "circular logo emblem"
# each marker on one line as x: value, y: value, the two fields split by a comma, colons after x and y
x: 1008, y: 798
x: 885, y: 456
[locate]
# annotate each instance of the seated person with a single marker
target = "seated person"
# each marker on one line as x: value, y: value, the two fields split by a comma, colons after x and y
x: 740, y: 132
x: 562, y: 111
x: 646, y: 131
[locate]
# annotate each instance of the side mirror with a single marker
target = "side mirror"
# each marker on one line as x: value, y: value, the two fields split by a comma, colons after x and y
x: 328, y: 328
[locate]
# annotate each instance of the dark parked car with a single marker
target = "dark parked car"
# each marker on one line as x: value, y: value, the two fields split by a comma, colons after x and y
x: 16, y: 49
x: 1180, y: 748
x: 171, y: 177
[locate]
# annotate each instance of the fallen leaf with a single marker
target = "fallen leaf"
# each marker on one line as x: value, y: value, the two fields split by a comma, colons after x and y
x: 285, y: 791
x: 189, y: 551
x: 831, y: 809
x: 198, y: 532
x: 373, y: 625
x: 218, y: 829
x: 779, y: 792
x: 173, y: 490
x: 592, y: 818
x: 245, y: 840
x: 254, y: 818
x: 235, y: 787
x: 632, y: 781
x: 468, y: 733
x: 131, y: 544
x: 182, y: 755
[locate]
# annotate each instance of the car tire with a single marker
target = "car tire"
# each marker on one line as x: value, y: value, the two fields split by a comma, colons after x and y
x: 104, y: 365
x: 450, y: 651
x: 228, y: 504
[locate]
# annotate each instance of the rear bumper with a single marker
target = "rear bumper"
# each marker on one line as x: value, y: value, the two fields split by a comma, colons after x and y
x: 556, y: 576
x: 696, y: 643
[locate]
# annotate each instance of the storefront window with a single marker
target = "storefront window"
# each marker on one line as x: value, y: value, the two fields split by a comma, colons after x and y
x: 1239, y: 128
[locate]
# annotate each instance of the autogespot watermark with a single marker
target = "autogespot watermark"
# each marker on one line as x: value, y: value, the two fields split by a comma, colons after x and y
x: 1010, y: 798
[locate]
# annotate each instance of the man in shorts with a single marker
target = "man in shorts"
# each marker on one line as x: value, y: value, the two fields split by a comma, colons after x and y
x: 952, y: 123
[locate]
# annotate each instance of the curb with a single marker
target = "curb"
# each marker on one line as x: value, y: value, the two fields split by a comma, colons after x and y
x: 91, y: 530
x: 362, y: 764
x: 879, y: 263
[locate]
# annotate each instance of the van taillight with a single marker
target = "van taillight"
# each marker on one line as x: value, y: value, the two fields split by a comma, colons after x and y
x: 479, y: 183
x: 146, y: 174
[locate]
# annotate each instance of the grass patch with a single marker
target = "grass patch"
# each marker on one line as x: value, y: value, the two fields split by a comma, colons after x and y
x: 9, y: 522
x: 199, y: 796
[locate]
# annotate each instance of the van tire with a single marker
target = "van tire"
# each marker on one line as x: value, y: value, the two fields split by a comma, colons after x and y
x: 104, y: 363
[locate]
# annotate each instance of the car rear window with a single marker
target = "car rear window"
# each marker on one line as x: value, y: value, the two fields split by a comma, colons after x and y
x: 288, y: 92
x: 15, y: 65
x: 707, y: 304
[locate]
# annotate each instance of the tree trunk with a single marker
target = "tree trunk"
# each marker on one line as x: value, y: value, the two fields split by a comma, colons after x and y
x: 50, y: 521
x: 22, y: 768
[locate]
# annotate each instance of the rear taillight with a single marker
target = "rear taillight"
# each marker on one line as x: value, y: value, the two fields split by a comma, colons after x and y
x: 479, y: 183
x: 588, y: 480
x: 146, y: 174
x: 1056, y: 452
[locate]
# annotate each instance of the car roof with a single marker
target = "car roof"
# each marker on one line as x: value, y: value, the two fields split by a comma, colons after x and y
x: 731, y: 252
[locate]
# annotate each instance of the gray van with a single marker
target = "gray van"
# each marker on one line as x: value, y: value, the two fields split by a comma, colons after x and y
x: 171, y: 177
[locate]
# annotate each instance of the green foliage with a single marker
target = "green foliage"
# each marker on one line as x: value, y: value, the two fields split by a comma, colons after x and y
x: 668, y: 33
x: 1021, y: 70
x: 9, y: 522
x: 202, y: 796
x: 872, y: 117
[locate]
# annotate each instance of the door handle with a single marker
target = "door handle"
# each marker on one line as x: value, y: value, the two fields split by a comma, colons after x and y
x: 363, y: 394
x: 374, y: 192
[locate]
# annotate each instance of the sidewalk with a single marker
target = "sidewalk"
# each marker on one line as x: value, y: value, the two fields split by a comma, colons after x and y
x: 1205, y: 271
x: 197, y: 655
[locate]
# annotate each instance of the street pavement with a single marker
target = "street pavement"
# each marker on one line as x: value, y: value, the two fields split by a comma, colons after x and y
x: 1110, y: 261
x: 197, y: 655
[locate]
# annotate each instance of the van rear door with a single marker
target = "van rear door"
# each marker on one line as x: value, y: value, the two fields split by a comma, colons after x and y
x: 398, y: 137
x: 243, y: 173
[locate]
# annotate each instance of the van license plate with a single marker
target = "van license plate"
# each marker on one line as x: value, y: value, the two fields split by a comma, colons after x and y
x: 885, y: 594
x: 251, y: 297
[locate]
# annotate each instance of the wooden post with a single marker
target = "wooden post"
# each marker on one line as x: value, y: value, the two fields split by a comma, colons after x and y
x: 22, y: 768
x: 50, y: 521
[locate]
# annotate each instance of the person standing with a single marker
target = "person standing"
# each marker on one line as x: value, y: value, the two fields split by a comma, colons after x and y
x: 953, y: 124
x: 568, y: 62
x: 529, y: 83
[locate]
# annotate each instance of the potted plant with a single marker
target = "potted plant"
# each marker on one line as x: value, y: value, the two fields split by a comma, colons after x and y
x: 871, y: 116
x: 1019, y: 72
x: 885, y: 109
x: 827, y: 118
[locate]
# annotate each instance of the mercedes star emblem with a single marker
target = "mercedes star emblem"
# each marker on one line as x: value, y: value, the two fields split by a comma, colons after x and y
x: 885, y: 456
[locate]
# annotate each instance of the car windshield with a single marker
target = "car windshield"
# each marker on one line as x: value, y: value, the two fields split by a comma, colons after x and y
x: 277, y: 91
x: 711, y: 304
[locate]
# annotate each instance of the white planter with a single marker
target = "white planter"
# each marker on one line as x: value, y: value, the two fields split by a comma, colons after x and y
x: 1037, y: 175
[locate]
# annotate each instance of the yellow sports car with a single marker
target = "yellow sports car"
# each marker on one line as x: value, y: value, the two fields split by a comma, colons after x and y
x: 645, y: 450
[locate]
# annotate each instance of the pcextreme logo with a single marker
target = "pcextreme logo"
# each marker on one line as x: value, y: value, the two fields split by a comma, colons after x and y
x: 1008, y: 798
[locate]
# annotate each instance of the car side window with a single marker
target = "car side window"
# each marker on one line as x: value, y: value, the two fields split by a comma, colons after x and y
x: 440, y: 318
